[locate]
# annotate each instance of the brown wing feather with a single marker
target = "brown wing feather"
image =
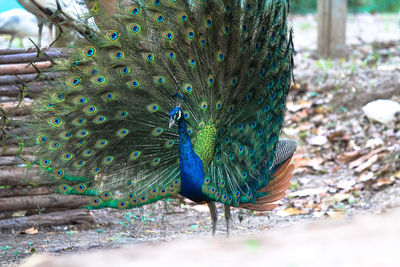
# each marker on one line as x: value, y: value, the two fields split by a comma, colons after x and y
x: 275, y: 189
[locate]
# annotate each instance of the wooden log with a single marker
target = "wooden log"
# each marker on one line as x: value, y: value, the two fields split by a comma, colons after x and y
x: 12, y: 79
x: 13, y: 176
x: 12, y: 151
x: 23, y: 68
x: 10, y: 141
x: 11, y: 133
x: 17, y: 51
x: 14, y: 90
x: 8, y: 214
x: 26, y: 191
x: 30, y: 57
x: 13, y: 161
x: 77, y: 216
x: 13, y: 109
x: 42, y: 201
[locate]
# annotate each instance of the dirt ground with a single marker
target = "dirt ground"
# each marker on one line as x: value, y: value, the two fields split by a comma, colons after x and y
x: 334, y: 178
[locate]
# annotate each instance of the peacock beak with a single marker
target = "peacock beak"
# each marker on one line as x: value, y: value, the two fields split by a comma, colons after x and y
x: 171, y: 122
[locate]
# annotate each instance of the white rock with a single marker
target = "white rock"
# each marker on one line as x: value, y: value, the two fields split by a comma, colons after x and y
x: 374, y: 143
x: 382, y: 110
x: 318, y: 140
x: 346, y: 184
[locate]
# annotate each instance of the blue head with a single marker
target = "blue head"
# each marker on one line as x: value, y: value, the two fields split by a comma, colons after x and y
x: 176, y: 116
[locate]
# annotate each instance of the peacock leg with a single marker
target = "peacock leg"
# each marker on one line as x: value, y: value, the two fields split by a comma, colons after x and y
x: 214, y: 216
x: 228, y: 219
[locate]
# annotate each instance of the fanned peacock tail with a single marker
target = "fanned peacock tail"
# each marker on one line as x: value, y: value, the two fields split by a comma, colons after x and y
x: 102, y: 128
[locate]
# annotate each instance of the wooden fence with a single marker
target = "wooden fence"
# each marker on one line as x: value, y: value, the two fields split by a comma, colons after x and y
x: 24, y: 192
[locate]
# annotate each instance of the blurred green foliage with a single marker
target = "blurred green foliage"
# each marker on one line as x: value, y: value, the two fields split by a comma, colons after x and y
x: 372, y: 6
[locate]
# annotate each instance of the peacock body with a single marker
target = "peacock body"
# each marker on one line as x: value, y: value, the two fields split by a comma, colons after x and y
x: 218, y: 70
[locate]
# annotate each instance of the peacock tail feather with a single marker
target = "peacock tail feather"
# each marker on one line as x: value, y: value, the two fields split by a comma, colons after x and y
x: 102, y: 128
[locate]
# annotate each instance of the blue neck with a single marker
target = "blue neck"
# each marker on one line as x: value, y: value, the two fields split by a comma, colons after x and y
x: 191, y: 167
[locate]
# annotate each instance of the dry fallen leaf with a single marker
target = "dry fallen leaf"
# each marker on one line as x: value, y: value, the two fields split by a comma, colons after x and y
x: 349, y: 156
x: 382, y: 182
x: 367, y: 164
x: 346, y: 184
x: 339, y: 136
x: 295, y: 87
x: 364, y: 158
x: 31, y: 231
x: 397, y: 175
x: 289, y: 212
x: 366, y: 176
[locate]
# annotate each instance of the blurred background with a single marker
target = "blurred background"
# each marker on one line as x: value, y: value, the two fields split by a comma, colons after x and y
x: 343, y: 111
x: 370, y: 6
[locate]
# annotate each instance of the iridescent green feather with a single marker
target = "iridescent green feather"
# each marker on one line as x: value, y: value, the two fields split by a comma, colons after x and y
x: 102, y: 128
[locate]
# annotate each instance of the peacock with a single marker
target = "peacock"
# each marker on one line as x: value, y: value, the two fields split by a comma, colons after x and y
x: 171, y: 97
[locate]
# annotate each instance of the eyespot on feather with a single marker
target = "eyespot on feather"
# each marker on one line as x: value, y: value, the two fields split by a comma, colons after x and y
x: 134, y: 28
x: 82, y: 133
x: 79, y: 164
x: 190, y: 34
x: 134, y: 84
x: 135, y: 155
x: 153, y: 108
x: 41, y: 139
x: 188, y: 88
x: 134, y: 10
x: 45, y: 163
x: 89, y: 51
x: 59, y: 173
x: 148, y: 57
x: 80, y: 188
x: 108, y: 96
x: 182, y: 17
x: 90, y: 110
x: 108, y: 160
x: 157, y: 131
x: 169, y: 143
x: 79, y: 121
x: 106, y: 196
x: 117, y: 55
x: 95, y: 201
x: 113, y: 35
x: 155, y: 161
x: 159, y: 18
x: 54, y: 145
x: 99, y: 119
x: 64, y: 188
x: 101, y: 143
x: 125, y: 70
x: 95, y: 171
x: 122, y: 114
x: 55, y: 122
x: 67, y: 156
x: 99, y: 80
x: 210, y: 80
x: 73, y: 81
x: 169, y: 35
x: 87, y: 153
x: 122, y: 133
